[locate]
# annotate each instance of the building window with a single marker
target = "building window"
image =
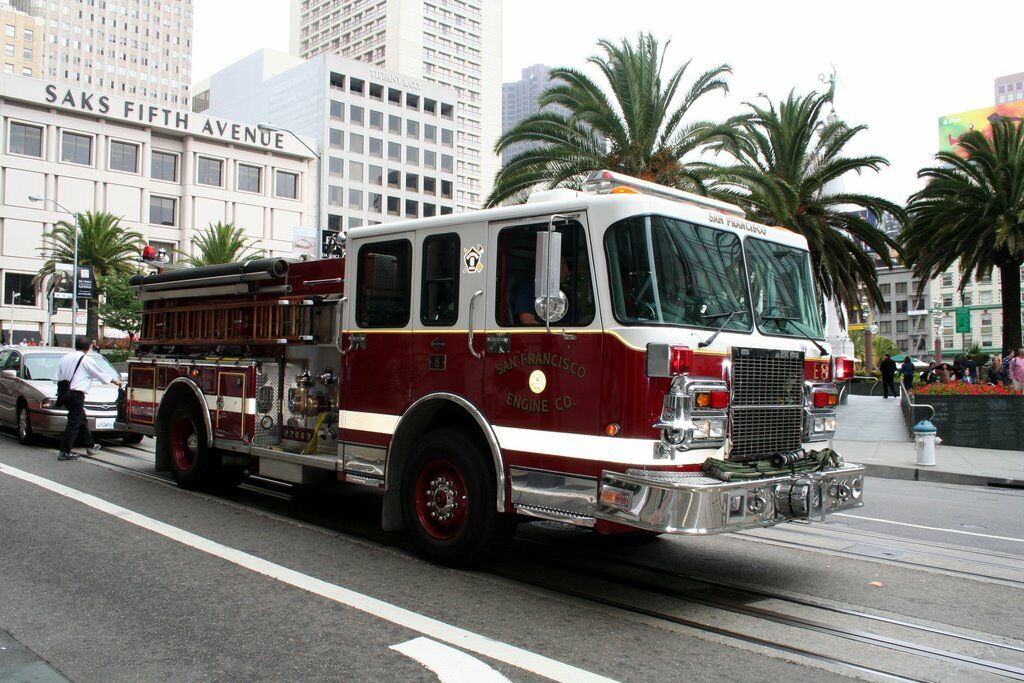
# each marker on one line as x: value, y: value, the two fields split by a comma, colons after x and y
x: 447, y: 163
x: 394, y: 151
x: 355, y: 171
x: 384, y: 278
x: 446, y: 210
x: 376, y: 119
x: 439, y: 293
x: 161, y: 210
x: 885, y: 327
x: 395, y: 179
x: 21, y: 284
x: 884, y: 288
x: 901, y: 326
x: 430, y: 133
x: 446, y: 190
x: 375, y: 202
x: 394, y: 96
x: 394, y: 206
x: 429, y: 106
x: 249, y: 178
x: 412, y: 208
x: 124, y: 156
x: 355, y: 115
x: 429, y: 159
x: 412, y: 155
x: 209, y: 171
x: 337, y: 110
x: 286, y: 185
x: 968, y: 298
x: 947, y: 279
x: 25, y: 139
x: 337, y: 138
x: 412, y: 128
x: 412, y: 101
x: 355, y: 199
x: 395, y: 124
x: 164, y: 166
x: 901, y: 306
x: 947, y: 299
x: 985, y: 297
x: 76, y: 148
x: 429, y: 185
x: 335, y: 195
x: 429, y: 210
x: 336, y: 167
x: 355, y: 143
x: 447, y: 111
x: 375, y: 175
x: 412, y: 182
x: 447, y: 137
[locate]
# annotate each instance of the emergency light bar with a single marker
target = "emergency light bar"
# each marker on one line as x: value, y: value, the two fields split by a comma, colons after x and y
x: 609, y: 182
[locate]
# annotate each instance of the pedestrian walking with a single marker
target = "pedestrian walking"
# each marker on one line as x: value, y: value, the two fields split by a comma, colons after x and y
x: 888, y: 369
x: 79, y: 370
x: 907, y: 370
x: 1017, y: 371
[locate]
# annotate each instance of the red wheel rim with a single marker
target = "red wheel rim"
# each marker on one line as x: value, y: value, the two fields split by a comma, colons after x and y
x: 184, y: 443
x: 441, y: 499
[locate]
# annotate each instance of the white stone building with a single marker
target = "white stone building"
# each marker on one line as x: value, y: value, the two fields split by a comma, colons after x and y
x: 387, y: 140
x: 165, y: 172
x: 454, y: 43
x: 138, y: 49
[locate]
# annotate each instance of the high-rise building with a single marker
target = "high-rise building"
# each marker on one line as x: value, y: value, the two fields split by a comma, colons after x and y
x: 387, y: 141
x: 137, y: 49
x: 519, y: 100
x: 455, y: 43
x: 23, y: 42
x: 1009, y: 88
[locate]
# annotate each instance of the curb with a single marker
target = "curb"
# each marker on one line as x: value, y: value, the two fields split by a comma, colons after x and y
x: 939, y: 476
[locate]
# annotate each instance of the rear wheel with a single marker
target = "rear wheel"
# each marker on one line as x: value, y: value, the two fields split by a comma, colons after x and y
x: 25, y: 433
x: 131, y: 439
x: 182, y: 435
x: 449, y: 500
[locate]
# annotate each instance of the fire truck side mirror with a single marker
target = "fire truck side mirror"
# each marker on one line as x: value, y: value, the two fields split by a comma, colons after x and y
x: 550, y: 302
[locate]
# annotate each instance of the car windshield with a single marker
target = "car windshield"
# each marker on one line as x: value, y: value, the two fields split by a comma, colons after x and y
x: 782, y: 289
x: 665, y: 271
x: 43, y: 366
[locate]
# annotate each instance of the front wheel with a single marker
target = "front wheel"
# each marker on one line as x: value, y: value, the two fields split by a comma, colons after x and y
x: 182, y: 435
x: 449, y: 500
x: 25, y: 433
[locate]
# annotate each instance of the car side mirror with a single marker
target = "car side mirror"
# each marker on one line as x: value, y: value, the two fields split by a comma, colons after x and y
x: 550, y: 303
x: 9, y: 374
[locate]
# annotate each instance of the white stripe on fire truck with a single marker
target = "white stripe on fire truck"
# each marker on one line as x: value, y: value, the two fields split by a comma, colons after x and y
x: 566, y: 445
x: 232, y: 404
x: 414, y: 621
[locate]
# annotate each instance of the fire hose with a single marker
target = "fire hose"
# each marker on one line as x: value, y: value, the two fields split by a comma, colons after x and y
x: 778, y: 465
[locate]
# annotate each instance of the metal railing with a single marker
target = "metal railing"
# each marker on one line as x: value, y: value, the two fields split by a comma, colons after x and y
x: 874, y: 382
x: 910, y: 409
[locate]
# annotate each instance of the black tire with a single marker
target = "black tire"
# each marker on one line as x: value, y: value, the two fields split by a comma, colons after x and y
x: 181, y: 442
x: 25, y: 433
x: 131, y: 439
x: 449, y: 500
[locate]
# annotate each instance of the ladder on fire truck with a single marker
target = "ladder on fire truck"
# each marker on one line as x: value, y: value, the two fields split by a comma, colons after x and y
x: 280, y: 321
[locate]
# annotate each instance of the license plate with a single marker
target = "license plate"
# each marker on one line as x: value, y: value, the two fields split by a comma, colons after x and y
x: 104, y: 423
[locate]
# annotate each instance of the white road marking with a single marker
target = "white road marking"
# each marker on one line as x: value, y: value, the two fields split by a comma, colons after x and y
x: 930, y: 528
x: 453, y: 635
x: 450, y: 665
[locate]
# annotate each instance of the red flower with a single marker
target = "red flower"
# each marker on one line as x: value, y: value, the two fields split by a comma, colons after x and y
x: 962, y: 389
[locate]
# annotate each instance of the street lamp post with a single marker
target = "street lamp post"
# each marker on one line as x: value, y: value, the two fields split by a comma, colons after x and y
x: 869, y: 333
x: 74, y: 274
x: 270, y: 128
x: 937, y: 322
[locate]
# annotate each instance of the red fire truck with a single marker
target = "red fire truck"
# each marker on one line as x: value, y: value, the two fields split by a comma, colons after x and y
x: 627, y: 357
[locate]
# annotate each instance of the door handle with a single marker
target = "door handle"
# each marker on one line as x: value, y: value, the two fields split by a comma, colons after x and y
x: 472, y: 302
x: 341, y: 321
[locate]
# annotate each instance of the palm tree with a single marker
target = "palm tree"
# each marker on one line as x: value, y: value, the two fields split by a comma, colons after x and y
x: 972, y: 209
x: 790, y: 157
x: 220, y: 243
x: 640, y: 131
x: 102, y: 243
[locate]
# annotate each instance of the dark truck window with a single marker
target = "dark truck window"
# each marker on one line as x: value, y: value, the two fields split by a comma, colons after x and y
x: 384, y: 277
x: 439, y: 295
x: 664, y: 271
x: 517, y: 261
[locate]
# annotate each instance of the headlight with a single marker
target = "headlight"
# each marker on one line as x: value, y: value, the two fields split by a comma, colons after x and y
x: 709, y: 428
x: 825, y: 424
x: 48, y: 403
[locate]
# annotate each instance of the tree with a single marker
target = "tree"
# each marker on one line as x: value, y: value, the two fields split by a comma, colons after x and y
x: 121, y: 308
x: 972, y: 209
x: 879, y: 346
x: 102, y: 243
x: 220, y: 243
x: 640, y: 131
x: 789, y: 158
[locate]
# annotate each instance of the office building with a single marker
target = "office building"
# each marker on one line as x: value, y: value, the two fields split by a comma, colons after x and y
x: 454, y: 43
x: 982, y: 297
x: 519, y: 100
x: 387, y: 141
x: 1009, y: 88
x: 904, y: 317
x: 23, y: 42
x: 137, y: 49
x: 166, y: 173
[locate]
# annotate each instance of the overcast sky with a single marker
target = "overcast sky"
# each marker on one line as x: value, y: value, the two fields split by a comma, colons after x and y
x: 901, y: 64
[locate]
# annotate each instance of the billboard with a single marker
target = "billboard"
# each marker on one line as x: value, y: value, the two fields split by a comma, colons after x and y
x: 953, y: 126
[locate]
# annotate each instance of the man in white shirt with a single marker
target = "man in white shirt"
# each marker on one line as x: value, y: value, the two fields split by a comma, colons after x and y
x: 80, y: 370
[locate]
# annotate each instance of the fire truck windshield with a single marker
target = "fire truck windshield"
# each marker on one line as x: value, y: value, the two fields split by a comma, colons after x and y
x: 665, y: 271
x: 782, y: 290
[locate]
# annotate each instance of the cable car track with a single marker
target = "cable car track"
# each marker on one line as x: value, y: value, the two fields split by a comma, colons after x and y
x: 738, y: 604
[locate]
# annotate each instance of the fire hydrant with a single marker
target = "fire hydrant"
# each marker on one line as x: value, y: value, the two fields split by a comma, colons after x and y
x: 925, y: 437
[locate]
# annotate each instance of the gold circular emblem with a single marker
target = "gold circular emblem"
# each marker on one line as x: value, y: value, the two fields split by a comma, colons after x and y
x: 538, y: 381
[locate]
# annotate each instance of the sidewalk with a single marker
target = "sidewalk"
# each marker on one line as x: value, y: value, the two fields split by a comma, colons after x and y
x: 871, y: 432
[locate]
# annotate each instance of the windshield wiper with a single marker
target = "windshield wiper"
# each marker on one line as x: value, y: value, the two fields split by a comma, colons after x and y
x: 794, y: 322
x: 713, y: 316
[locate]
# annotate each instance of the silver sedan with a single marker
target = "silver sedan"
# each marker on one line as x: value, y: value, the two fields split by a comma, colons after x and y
x: 28, y: 392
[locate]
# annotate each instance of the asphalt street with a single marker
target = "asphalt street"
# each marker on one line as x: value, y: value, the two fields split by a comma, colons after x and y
x: 108, y: 575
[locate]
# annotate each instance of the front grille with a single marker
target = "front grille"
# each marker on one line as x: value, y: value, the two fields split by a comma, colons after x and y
x: 767, y: 403
x: 101, y: 407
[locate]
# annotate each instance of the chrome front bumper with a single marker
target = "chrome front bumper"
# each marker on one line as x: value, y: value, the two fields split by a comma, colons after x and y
x: 46, y: 421
x: 690, y: 503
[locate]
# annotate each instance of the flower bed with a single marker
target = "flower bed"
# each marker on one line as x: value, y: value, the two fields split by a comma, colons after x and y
x: 975, y: 415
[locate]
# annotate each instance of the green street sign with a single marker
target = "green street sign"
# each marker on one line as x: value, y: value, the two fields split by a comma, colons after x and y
x: 963, y: 319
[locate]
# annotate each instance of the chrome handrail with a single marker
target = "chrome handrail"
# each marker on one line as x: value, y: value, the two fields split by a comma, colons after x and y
x: 908, y: 407
x: 472, y: 300
x: 341, y: 321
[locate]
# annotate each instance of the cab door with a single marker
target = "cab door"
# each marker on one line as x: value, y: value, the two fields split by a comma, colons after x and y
x: 542, y: 382
x: 377, y: 332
